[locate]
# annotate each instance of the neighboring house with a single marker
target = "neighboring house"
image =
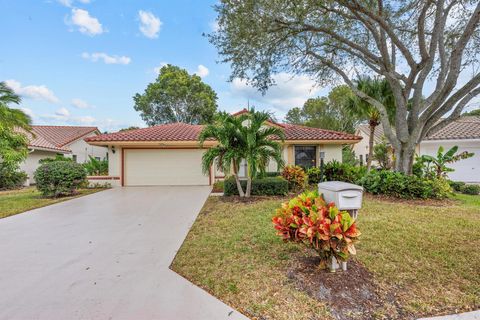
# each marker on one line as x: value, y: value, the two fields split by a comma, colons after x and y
x: 170, y: 154
x: 464, y: 133
x: 66, y: 140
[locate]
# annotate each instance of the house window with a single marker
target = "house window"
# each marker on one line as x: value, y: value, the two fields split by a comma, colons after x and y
x: 306, y: 156
x: 361, y: 159
x: 97, y: 158
x: 74, y: 157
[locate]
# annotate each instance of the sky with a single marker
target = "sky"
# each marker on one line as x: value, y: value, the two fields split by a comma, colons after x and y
x: 79, y: 62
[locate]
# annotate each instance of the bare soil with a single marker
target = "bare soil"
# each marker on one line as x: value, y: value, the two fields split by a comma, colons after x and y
x: 350, y: 295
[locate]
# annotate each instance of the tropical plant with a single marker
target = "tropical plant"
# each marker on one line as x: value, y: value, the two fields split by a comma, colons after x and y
x: 59, y: 178
x: 11, y: 179
x: 96, y: 167
x: 336, y: 171
x: 437, y: 166
x: 58, y: 157
x: 230, y: 148
x: 262, y: 144
x: 380, y: 90
x: 14, y: 127
x: 314, y: 175
x: 176, y: 96
x: 296, y: 177
x: 381, y: 154
x: 348, y: 156
x: 308, y: 219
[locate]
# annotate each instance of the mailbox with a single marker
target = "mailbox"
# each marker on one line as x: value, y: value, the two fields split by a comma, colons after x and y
x: 346, y: 196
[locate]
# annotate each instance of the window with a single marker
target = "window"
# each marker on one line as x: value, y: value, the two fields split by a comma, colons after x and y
x: 306, y: 156
x: 74, y: 157
x: 97, y: 158
x: 361, y: 159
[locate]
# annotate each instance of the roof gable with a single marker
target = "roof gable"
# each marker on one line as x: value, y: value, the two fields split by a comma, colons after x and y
x: 466, y: 127
x: 56, y: 138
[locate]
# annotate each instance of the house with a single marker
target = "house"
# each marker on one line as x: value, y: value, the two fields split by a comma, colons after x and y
x: 464, y: 133
x: 170, y: 154
x: 49, y: 141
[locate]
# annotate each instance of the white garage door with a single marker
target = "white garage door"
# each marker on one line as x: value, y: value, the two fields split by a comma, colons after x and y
x: 152, y: 167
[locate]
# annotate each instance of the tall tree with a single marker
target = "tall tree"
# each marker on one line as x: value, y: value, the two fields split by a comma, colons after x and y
x: 176, y: 96
x: 475, y: 112
x: 326, y: 112
x: 407, y: 42
x: 379, y: 90
x: 14, y: 125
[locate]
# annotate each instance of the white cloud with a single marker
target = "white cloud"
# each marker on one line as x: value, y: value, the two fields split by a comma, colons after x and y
x: 69, y: 3
x: 108, y: 59
x: 62, y: 112
x: 28, y: 112
x: 149, y: 24
x: 81, y: 104
x: 157, y: 69
x: 202, y: 71
x: 40, y: 92
x: 290, y: 91
x: 85, y: 22
x: 214, y: 26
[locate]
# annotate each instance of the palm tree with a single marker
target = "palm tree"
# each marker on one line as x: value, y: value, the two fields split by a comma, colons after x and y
x: 380, y: 90
x: 260, y: 146
x: 13, y: 142
x: 229, y: 151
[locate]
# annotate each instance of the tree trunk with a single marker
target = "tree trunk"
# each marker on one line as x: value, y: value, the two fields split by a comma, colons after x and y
x: 371, y: 139
x: 237, y: 180
x: 249, y: 183
x: 404, y: 159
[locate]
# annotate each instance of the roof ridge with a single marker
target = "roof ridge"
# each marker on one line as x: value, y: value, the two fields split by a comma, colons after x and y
x: 316, y: 128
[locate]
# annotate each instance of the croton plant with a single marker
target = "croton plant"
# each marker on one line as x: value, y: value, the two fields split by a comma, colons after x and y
x: 308, y: 219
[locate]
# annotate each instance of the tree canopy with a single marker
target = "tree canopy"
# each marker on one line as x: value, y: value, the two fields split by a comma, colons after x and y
x: 326, y: 112
x: 176, y: 96
x: 410, y: 43
x: 475, y: 112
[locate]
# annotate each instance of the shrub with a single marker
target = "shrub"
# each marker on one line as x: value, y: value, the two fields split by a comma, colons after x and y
x: 271, y: 174
x: 58, y: 157
x: 308, y: 219
x: 96, y: 167
x: 314, y: 175
x: 457, y: 185
x: 270, y: 186
x: 218, y: 186
x: 59, y: 178
x: 472, y: 189
x: 296, y: 177
x: 11, y: 177
x: 336, y: 171
x: 400, y: 185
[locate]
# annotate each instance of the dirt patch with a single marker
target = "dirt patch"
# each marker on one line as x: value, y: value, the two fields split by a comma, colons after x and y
x: 350, y: 295
x: 413, y: 202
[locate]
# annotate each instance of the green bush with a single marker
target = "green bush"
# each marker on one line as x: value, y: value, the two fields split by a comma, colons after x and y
x: 96, y: 167
x: 314, y: 175
x: 11, y: 178
x: 271, y: 174
x: 270, y: 186
x: 218, y: 186
x: 457, y: 185
x: 472, y: 189
x: 60, y: 178
x: 336, y: 171
x: 400, y: 185
x: 58, y: 157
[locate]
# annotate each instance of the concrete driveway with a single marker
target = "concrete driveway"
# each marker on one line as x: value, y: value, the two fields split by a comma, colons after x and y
x: 104, y: 256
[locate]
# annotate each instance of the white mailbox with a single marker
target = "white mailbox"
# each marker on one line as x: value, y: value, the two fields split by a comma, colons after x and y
x: 346, y: 196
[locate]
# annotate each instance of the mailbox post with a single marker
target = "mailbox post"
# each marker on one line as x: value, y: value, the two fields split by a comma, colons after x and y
x: 347, y: 197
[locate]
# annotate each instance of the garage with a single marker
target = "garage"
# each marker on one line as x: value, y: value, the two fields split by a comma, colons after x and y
x: 157, y: 167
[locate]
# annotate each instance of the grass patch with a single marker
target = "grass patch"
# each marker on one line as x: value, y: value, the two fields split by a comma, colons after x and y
x: 468, y: 200
x: 426, y: 255
x: 16, y: 201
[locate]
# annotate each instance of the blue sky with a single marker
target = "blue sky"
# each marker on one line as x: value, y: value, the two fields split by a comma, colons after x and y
x: 79, y: 62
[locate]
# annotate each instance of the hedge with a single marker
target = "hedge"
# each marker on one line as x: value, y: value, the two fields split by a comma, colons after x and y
x: 60, y: 178
x: 269, y: 186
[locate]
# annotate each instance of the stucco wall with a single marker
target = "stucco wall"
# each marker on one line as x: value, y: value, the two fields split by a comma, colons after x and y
x: 83, y: 150
x: 114, y: 161
x: 32, y: 162
x: 361, y: 148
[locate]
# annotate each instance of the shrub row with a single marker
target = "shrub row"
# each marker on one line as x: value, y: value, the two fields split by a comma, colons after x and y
x: 11, y: 178
x: 269, y: 186
x: 462, y: 187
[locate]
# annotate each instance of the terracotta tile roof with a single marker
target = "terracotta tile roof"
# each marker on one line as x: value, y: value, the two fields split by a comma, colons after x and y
x: 466, y: 127
x: 189, y: 132
x: 57, y: 138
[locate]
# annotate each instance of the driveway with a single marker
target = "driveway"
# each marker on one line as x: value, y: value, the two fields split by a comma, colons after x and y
x: 104, y: 256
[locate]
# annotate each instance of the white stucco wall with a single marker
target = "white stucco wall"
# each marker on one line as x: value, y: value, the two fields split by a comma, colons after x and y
x: 467, y: 170
x: 83, y: 150
x: 361, y: 148
x: 114, y: 161
x: 332, y: 152
x: 32, y: 162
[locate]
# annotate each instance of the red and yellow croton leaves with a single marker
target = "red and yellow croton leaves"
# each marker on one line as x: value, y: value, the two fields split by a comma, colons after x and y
x: 308, y: 219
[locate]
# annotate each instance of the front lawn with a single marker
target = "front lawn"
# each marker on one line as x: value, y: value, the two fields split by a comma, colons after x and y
x: 422, y: 260
x: 17, y: 201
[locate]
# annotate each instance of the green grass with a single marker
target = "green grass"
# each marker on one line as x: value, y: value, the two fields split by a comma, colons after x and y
x: 468, y: 200
x: 17, y: 201
x: 427, y: 255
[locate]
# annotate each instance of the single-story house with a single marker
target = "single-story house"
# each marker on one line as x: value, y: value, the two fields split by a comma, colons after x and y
x: 464, y: 133
x: 170, y: 154
x: 50, y: 141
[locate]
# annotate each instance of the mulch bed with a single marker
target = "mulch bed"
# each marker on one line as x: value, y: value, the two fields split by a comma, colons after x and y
x: 350, y: 295
x: 413, y: 202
